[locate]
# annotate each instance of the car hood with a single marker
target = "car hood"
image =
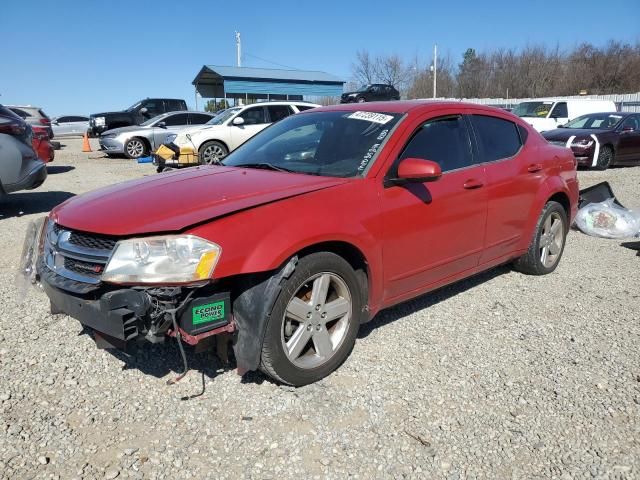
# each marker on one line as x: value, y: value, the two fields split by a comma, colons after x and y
x: 351, y: 93
x: 131, y: 128
x: 200, y: 128
x: 565, y: 133
x: 171, y: 202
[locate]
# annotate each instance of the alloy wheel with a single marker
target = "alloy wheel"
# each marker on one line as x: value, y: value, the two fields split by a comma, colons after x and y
x: 135, y: 148
x: 316, y: 320
x: 551, y: 240
x: 213, y: 154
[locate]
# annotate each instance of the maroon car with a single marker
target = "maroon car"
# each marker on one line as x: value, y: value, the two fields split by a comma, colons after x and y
x: 600, y: 140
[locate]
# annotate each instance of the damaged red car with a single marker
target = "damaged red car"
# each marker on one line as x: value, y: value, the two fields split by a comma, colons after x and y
x: 308, y: 230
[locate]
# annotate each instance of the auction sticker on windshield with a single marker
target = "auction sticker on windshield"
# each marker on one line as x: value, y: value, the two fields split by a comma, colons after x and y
x: 374, y: 117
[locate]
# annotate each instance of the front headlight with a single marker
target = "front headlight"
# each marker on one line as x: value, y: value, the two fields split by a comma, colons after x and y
x: 164, y: 259
x: 99, y: 121
x: 170, y: 138
x: 584, y: 143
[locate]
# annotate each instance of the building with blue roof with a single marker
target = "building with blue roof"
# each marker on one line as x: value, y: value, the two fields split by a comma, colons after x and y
x: 249, y: 85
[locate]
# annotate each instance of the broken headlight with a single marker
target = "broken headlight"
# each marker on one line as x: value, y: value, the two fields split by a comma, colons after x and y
x: 161, y: 260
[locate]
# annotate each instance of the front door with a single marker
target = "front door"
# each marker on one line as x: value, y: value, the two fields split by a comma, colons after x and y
x: 629, y: 143
x: 435, y: 230
x: 255, y: 119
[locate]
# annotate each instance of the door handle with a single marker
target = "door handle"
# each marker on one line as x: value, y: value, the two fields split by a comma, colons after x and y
x: 533, y: 168
x: 472, y: 184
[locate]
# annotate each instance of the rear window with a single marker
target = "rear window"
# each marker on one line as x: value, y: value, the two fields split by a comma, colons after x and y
x: 497, y: 138
x: 20, y: 112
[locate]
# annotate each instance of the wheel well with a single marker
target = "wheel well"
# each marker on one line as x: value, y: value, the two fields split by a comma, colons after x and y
x: 354, y: 257
x: 563, y: 200
x: 143, y: 140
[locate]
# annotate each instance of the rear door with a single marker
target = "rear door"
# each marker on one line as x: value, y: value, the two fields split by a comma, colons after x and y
x: 513, y: 178
x: 255, y: 119
x: 435, y: 230
x: 78, y: 125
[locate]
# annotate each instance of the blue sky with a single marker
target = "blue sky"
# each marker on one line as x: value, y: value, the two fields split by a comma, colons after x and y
x: 86, y: 56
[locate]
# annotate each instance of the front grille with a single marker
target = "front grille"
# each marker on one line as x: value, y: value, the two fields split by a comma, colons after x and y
x: 78, y: 256
x: 92, y: 241
x: 88, y: 240
x: 93, y: 269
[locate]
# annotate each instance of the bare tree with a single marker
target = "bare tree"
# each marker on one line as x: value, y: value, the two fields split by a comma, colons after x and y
x: 363, y: 69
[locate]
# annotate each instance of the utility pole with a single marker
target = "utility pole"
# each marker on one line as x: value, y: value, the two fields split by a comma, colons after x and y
x: 435, y: 68
x: 238, y: 49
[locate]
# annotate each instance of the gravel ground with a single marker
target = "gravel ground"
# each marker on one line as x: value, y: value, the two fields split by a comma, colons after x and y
x: 500, y: 376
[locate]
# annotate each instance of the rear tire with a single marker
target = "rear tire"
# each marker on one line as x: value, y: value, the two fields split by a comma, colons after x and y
x: 548, y: 242
x: 314, y: 322
x: 604, y: 158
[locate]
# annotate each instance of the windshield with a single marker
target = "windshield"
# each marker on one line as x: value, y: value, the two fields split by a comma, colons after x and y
x: 223, y: 116
x: 532, y: 109
x: 601, y: 121
x: 333, y: 144
x: 134, y: 106
x: 363, y: 88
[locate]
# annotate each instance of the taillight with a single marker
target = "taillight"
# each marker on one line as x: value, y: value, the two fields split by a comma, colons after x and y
x: 12, y: 128
x: 45, y: 121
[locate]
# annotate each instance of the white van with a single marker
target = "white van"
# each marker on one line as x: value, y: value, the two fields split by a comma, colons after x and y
x: 549, y: 113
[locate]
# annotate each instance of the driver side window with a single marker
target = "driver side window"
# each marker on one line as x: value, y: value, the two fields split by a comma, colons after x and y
x: 153, y: 108
x: 560, y: 110
x: 442, y: 140
x: 254, y: 116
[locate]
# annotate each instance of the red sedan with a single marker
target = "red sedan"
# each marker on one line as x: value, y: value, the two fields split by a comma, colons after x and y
x: 309, y: 229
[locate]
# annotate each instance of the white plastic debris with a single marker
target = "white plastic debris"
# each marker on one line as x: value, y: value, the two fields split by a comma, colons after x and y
x: 608, y: 220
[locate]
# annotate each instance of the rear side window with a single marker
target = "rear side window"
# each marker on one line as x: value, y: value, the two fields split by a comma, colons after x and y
x: 179, y: 119
x: 199, y: 118
x: 173, y: 105
x: 442, y: 140
x: 20, y: 112
x: 497, y: 138
x: 278, y: 112
x: 302, y: 108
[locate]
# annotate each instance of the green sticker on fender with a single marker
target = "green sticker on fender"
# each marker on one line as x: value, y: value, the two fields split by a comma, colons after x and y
x: 209, y: 312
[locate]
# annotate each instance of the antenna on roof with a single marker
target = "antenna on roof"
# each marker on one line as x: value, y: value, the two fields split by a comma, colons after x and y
x: 238, y: 49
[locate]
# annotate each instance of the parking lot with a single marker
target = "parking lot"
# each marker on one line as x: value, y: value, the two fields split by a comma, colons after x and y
x: 500, y: 376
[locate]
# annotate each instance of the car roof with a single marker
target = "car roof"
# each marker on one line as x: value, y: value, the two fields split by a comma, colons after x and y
x: 406, y: 106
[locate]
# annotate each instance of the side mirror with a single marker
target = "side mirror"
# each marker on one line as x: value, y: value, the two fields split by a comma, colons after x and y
x: 238, y: 121
x: 371, y: 89
x: 161, y: 125
x: 416, y: 170
x: 143, y: 110
x: 54, y: 122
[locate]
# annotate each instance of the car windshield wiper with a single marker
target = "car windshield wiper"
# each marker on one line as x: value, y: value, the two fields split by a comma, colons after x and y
x: 266, y: 166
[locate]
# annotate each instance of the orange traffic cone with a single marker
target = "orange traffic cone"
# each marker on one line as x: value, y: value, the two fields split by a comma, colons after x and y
x: 86, y: 147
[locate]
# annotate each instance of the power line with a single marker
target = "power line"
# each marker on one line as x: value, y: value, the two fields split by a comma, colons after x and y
x: 269, y: 61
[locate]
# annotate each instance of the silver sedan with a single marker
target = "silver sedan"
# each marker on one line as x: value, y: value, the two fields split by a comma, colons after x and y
x: 140, y: 140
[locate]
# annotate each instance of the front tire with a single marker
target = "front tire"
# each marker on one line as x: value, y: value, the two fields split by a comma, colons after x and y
x: 548, y: 242
x: 361, y: 100
x: 135, y: 148
x: 314, y: 322
x: 604, y: 158
x: 212, y: 152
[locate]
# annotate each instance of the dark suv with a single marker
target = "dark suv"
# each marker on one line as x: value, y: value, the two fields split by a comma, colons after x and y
x: 136, y: 114
x: 371, y: 93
